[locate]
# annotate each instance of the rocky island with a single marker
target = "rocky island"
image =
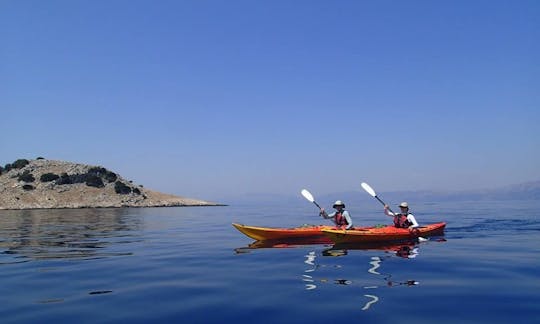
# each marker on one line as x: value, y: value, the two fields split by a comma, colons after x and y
x: 49, y: 184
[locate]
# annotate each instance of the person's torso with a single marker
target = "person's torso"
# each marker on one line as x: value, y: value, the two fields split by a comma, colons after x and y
x: 340, y: 218
x: 401, y: 221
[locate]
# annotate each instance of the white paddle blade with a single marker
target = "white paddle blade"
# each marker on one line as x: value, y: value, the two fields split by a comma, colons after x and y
x: 368, y: 189
x: 307, y: 195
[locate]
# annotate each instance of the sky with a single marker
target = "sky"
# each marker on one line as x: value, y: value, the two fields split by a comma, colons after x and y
x: 218, y: 98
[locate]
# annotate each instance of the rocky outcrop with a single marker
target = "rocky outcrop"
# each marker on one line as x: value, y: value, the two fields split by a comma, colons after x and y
x: 39, y: 184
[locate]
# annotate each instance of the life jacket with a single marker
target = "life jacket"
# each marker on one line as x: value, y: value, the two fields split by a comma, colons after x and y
x: 340, y: 219
x: 401, y: 221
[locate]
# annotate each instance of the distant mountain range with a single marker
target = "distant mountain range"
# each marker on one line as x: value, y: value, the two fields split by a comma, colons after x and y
x: 522, y: 191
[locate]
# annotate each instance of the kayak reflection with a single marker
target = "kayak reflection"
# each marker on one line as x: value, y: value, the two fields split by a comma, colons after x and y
x: 404, y: 249
x: 283, y: 243
x: 407, y: 249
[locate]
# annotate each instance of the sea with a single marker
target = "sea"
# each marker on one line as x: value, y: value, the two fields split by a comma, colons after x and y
x: 190, y: 265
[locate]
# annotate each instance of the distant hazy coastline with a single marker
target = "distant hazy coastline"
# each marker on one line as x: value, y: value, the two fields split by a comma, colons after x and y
x: 523, y: 191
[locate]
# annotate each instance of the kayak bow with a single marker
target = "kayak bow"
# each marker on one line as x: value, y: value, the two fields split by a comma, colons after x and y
x: 276, y: 233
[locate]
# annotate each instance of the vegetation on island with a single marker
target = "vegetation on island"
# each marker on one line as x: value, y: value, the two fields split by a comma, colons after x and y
x: 95, y: 177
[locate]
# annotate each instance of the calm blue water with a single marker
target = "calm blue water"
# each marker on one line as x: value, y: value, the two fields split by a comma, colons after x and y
x: 190, y: 264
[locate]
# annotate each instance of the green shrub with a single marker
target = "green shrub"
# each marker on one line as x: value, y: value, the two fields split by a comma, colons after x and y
x: 20, y: 163
x: 121, y: 188
x: 103, y: 173
x: 110, y: 176
x: 79, y: 178
x: 47, y: 177
x: 64, y: 179
x: 94, y: 181
x: 26, y: 177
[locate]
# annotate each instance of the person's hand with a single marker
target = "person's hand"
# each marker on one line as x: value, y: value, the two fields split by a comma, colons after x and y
x: 321, y: 212
x: 385, y: 206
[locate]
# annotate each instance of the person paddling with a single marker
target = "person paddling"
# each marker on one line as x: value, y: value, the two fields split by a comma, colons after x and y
x: 403, y: 219
x: 340, y: 217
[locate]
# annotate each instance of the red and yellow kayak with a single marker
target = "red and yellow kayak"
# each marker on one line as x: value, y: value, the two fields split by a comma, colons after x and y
x: 381, y: 234
x: 276, y: 233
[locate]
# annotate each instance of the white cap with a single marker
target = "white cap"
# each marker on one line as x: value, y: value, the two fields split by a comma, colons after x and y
x: 338, y: 203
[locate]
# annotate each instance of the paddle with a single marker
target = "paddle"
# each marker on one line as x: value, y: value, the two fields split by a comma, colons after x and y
x: 372, y: 192
x: 309, y: 197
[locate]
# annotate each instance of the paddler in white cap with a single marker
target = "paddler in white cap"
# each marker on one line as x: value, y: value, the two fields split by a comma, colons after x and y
x: 340, y: 217
x: 404, y: 219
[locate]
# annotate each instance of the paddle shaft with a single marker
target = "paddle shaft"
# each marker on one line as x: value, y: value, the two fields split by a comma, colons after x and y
x: 383, y: 203
x: 372, y: 193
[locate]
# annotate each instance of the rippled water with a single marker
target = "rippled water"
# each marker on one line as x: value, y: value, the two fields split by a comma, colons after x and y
x: 190, y: 264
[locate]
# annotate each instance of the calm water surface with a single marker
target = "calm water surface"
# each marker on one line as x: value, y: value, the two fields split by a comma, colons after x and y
x: 190, y: 264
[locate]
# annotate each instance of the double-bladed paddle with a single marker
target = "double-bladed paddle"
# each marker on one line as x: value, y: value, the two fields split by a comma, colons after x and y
x: 309, y: 197
x: 370, y: 191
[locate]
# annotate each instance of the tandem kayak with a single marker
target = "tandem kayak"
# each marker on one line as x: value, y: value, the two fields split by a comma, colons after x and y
x: 276, y: 233
x: 381, y: 234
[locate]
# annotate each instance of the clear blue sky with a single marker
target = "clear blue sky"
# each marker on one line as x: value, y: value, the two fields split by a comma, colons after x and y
x: 208, y: 99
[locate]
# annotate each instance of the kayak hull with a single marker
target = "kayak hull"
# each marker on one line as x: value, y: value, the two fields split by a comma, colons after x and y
x: 382, y: 234
x: 276, y: 233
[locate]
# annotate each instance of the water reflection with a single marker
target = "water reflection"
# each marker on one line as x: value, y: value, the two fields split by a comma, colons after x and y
x: 308, y: 279
x: 402, y: 250
x: 280, y: 244
x: 406, y: 250
x: 59, y: 234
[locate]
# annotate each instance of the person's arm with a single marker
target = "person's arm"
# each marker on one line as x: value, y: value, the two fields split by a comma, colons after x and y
x: 411, y: 219
x: 348, y: 219
x: 387, y: 212
x: 324, y: 214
